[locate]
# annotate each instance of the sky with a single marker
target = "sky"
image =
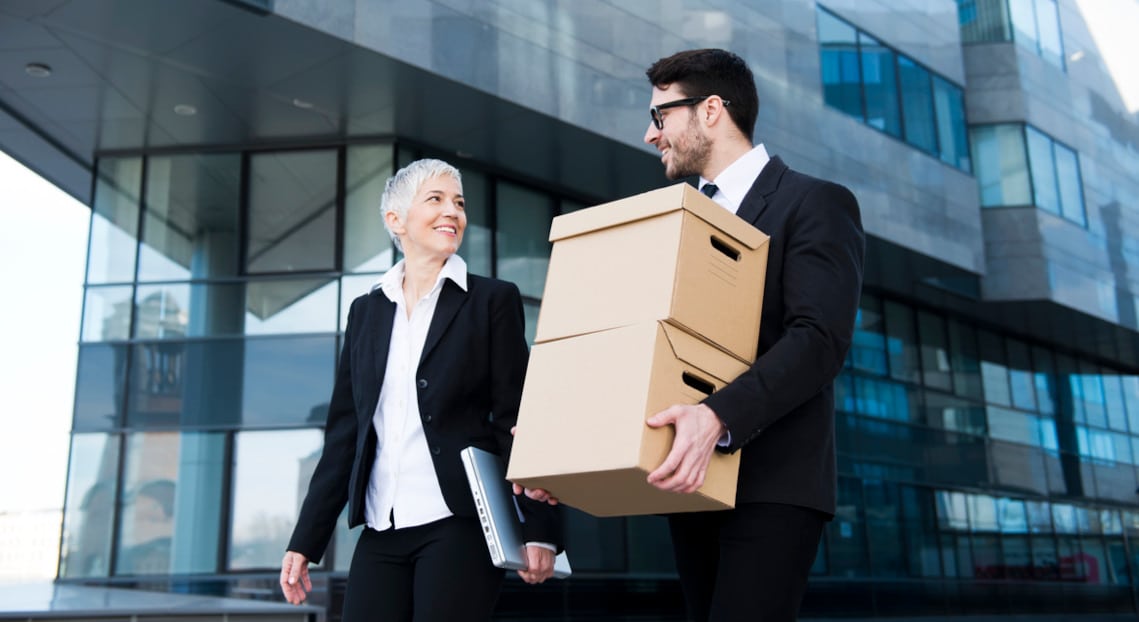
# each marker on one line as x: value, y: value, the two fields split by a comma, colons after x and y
x: 43, y: 239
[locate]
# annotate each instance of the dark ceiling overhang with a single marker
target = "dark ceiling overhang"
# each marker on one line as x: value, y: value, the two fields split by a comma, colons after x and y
x: 124, y: 73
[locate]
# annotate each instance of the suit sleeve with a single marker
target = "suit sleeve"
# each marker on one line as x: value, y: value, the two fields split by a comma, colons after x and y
x: 328, y: 488
x: 822, y: 282
x: 509, y: 356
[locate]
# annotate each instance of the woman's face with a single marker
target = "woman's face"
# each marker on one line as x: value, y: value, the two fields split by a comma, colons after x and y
x: 435, y: 220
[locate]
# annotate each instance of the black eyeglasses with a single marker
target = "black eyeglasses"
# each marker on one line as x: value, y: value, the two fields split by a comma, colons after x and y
x: 658, y: 118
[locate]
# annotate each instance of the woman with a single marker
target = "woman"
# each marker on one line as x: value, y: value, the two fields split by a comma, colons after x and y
x: 433, y: 362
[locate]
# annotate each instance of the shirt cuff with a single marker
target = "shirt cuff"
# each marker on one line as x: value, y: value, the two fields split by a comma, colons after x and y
x: 543, y: 545
x: 725, y: 439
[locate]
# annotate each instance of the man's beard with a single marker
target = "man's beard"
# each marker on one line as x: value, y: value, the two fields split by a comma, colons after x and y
x: 689, y: 161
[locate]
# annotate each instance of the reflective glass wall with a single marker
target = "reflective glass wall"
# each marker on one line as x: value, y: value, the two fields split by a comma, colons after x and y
x: 1033, y: 24
x: 978, y: 471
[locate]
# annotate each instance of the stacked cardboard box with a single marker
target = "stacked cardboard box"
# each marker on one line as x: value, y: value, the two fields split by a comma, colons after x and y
x: 650, y: 301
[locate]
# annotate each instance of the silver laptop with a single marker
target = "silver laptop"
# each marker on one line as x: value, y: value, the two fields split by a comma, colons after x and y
x: 498, y: 512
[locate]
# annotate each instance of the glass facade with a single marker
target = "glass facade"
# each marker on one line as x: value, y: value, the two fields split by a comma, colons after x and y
x: 1018, y: 165
x: 970, y: 462
x: 1033, y: 24
x: 890, y: 91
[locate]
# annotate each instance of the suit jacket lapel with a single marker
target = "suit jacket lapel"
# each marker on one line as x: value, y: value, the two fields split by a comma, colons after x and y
x: 767, y: 182
x: 382, y: 333
x: 451, y: 299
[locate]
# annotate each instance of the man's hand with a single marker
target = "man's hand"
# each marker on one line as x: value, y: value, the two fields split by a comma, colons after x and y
x: 539, y: 565
x: 697, y: 430
x: 536, y: 494
x: 295, y: 582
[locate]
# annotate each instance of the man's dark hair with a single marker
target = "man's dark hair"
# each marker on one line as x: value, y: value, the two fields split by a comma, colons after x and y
x: 712, y: 72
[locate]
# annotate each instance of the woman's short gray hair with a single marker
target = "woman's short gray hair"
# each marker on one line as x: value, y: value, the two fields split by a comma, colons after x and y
x: 401, y: 189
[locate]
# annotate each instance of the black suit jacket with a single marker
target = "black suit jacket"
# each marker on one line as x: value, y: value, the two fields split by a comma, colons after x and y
x: 469, y: 382
x: 782, y: 408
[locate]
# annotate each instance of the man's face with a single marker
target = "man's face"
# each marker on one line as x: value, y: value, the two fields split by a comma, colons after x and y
x: 683, y: 145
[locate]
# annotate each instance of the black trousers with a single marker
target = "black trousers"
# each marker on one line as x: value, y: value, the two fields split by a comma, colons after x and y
x: 750, y: 563
x: 438, y: 572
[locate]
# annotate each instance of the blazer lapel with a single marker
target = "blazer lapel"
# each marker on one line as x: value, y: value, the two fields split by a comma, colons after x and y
x: 451, y: 299
x: 767, y: 182
x: 382, y: 333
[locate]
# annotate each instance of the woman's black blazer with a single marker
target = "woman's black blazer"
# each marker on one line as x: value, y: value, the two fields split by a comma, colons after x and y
x: 469, y: 382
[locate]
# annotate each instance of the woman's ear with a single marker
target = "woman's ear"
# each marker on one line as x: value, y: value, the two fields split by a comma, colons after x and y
x: 393, y: 222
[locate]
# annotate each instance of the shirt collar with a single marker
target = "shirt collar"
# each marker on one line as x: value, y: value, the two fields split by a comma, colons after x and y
x: 392, y: 281
x: 736, y: 180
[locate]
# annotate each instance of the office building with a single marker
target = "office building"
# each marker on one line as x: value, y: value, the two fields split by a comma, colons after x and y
x: 233, y: 153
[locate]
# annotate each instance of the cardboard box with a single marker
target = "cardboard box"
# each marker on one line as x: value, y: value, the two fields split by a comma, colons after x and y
x: 581, y: 426
x: 671, y: 254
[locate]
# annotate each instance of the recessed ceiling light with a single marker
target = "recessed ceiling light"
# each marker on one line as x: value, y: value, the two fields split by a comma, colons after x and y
x: 185, y: 110
x: 302, y: 104
x: 37, y: 70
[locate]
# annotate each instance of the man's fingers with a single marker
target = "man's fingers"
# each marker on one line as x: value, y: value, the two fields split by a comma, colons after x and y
x: 663, y: 418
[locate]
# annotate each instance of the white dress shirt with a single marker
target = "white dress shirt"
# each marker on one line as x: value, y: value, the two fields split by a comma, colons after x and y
x: 735, y: 181
x: 403, y: 484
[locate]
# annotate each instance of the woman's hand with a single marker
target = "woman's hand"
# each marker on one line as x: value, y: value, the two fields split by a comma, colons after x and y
x: 295, y: 582
x: 539, y: 565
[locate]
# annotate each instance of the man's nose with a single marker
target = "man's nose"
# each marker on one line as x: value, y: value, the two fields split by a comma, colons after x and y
x: 652, y: 133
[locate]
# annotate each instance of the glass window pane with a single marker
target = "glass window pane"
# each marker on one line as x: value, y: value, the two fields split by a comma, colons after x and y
x: 982, y: 513
x: 283, y: 381
x: 107, y: 313
x: 178, y: 310
x: 838, y: 51
x: 1039, y: 516
x: 523, y: 237
x: 1014, y: 426
x: 1020, y: 375
x: 920, y: 533
x: 89, y: 507
x: 292, y: 211
x: 1012, y: 516
x: 880, y: 85
x: 99, y: 387
x: 1064, y: 518
x: 1048, y: 29
x: 917, y: 105
x: 1043, y: 171
x: 1023, y: 15
x: 271, y: 472
x: 1002, y: 167
x: 954, y: 414
x: 846, y: 534
x: 367, y: 245
x: 351, y: 288
x: 901, y: 342
x: 994, y: 373
x: 171, y: 503
x: 1044, y: 378
x: 291, y: 306
x: 966, y: 361
x: 884, y: 528
x: 934, y: 351
x: 868, y: 350
x: 190, y: 224
x: 1095, y: 409
x: 476, y: 246
x: 1131, y: 398
x: 287, y: 381
x: 114, y: 221
x: 530, y: 310
x: 949, y: 106
x: 1068, y: 180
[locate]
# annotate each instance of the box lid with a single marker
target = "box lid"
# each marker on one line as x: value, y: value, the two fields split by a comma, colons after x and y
x: 702, y: 355
x: 654, y: 203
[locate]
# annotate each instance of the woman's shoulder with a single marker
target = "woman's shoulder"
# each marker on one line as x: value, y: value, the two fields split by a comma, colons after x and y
x: 490, y: 285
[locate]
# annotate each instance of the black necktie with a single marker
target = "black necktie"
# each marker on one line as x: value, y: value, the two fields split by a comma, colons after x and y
x: 709, y: 190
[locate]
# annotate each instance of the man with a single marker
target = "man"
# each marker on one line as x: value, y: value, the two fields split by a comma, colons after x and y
x: 752, y: 562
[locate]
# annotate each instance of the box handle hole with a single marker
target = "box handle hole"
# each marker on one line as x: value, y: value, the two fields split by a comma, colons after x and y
x: 698, y: 383
x: 725, y: 248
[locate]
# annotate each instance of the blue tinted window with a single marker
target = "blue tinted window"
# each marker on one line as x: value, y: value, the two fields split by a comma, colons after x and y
x: 868, y: 351
x: 1068, y: 181
x: 994, y: 371
x: 1002, y: 166
x: 89, y: 507
x: 838, y: 42
x: 949, y: 104
x: 917, y: 105
x: 1020, y: 375
x: 880, y: 82
x: 1044, y: 379
x: 1045, y: 192
x: 287, y: 381
x: 99, y: 387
